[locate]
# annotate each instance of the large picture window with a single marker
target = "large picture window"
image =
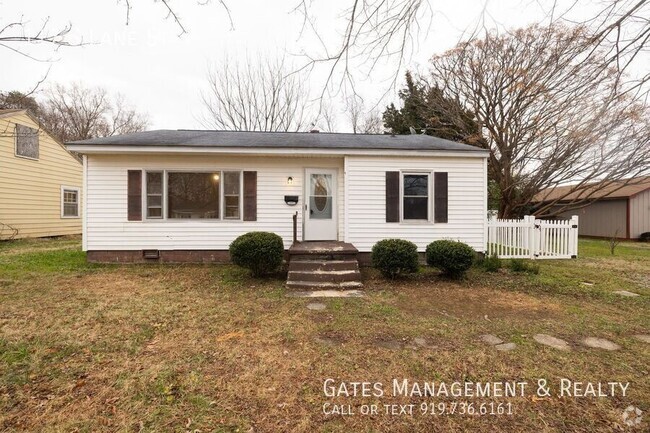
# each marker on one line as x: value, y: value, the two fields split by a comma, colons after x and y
x: 415, y: 196
x: 193, y: 195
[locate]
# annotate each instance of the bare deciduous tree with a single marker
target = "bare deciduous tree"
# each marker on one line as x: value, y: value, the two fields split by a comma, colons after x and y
x: 363, y: 121
x: 327, y: 120
x: 78, y: 113
x: 259, y: 95
x: 552, y: 110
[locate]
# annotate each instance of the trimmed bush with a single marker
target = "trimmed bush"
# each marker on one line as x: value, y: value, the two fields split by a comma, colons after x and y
x: 451, y: 257
x: 395, y: 257
x: 491, y: 263
x: 521, y: 266
x: 259, y: 252
x: 644, y: 237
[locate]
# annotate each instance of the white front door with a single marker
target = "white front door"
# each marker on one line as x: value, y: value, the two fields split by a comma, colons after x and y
x: 320, y: 205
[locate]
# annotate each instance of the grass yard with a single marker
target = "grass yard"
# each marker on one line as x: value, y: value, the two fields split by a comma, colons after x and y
x: 144, y: 348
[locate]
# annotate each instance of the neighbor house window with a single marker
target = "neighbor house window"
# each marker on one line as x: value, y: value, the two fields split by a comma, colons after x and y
x: 26, y: 142
x: 69, y: 202
x: 154, y: 194
x: 231, y: 194
x: 415, y: 196
x: 193, y: 195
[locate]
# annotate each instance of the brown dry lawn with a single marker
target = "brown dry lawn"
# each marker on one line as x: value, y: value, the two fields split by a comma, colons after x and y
x: 138, y: 348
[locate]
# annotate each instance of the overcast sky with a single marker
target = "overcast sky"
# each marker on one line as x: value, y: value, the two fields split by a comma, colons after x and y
x: 163, y: 74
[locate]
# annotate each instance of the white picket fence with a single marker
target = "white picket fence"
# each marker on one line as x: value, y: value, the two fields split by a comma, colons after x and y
x: 531, y: 238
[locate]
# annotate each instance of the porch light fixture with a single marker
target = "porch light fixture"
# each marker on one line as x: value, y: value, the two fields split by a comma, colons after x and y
x: 216, y: 177
x: 290, y: 180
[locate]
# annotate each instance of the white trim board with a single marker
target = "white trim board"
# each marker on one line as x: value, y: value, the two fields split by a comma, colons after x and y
x: 96, y: 149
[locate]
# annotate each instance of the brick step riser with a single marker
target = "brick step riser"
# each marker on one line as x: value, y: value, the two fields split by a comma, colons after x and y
x: 323, y: 277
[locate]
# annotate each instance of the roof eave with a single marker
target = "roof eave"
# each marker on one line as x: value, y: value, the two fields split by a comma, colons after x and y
x: 90, y: 149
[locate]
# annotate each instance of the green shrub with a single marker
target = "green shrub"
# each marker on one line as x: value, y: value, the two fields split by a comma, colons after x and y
x: 259, y: 252
x: 451, y: 257
x: 644, y: 237
x: 521, y: 266
x: 395, y: 257
x: 491, y: 263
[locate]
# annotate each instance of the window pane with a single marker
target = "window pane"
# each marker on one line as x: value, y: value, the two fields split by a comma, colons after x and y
x: 154, y: 212
x: 26, y: 141
x: 415, y: 208
x: 69, y: 196
x: 154, y: 200
x: 416, y: 184
x: 154, y: 183
x: 193, y: 195
x: 232, y: 207
x: 70, y: 209
x: 231, y: 183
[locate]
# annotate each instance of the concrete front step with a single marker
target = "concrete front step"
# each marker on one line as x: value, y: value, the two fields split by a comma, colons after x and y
x: 324, y: 285
x: 337, y: 256
x: 324, y: 265
x: 333, y: 276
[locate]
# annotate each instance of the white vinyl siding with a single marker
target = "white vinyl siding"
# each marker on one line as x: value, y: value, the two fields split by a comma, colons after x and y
x: 366, y: 213
x: 107, y: 227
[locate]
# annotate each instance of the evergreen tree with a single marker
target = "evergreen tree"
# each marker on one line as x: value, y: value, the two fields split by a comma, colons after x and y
x: 425, y: 109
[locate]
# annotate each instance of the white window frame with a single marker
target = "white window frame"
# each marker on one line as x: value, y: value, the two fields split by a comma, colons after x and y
x: 429, y: 175
x: 16, y: 154
x: 223, y: 195
x: 163, y: 197
x: 222, y: 207
x: 78, y: 191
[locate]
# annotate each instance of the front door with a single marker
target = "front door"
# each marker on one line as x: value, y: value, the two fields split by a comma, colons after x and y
x: 320, y: 205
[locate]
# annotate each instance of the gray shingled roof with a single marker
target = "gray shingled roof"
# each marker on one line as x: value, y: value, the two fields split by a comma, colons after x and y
x: 278, y: 140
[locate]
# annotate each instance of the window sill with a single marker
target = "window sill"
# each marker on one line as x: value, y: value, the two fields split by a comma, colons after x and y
x: 416, y: 222
x: 187, y: 220
x: 26, y: 157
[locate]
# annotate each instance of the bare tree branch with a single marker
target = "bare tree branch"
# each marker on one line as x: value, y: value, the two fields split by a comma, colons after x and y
x: 376, y: 30
x: 259, y: 95
x: 552, y: 110
x: 18, y: 35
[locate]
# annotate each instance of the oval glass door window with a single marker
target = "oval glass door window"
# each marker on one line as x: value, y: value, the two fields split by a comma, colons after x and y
x: 320, y: 196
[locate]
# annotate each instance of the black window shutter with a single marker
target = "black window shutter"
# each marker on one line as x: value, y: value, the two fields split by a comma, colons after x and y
x: 134, y: 193
x: 392, y: 196
x: 440, y: 197
x: 250, y: 196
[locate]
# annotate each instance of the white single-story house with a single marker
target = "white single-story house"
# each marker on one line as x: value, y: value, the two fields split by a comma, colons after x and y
x: 185, y: 195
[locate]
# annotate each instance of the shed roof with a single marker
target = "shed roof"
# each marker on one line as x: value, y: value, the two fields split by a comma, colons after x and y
x: 623, y: 188
x: 278, y: 140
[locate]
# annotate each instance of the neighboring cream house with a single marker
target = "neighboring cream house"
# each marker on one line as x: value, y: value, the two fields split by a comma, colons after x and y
x: 40, y: 181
